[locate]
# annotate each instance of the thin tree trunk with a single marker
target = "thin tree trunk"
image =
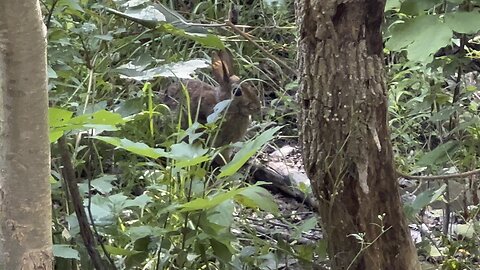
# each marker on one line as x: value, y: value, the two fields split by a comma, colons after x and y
x: 344, y: 134
x: 25, y: 205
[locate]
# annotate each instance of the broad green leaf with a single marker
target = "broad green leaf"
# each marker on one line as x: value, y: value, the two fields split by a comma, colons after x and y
x: 58, y: 117
x: 222, y: 250
x: 54, y: 135
x: 209, y: 202
x: 73, y: 4
x: 182, y: 70
x: 139, y: 201
x: 104, y: 37
x: 65, y: 251
x: 415, y: 7
x: 306, y: 226
x: 439, y: 155
x: 104, y: 183
x: 222, y: 214
x: 248, y: 150
x: 134, y: 147
x: 102, y: 209
x: 422, y: 200
x: 147, y: 14
x: 185, y: 152
x: 463, y: 22
x: 139, y: 232
x: 465, y: 230
x: 392, y: 4
x: 257, y: 197
x: 157, y: 14
x: 51, y: 73
x: 119, y: 251
x: 101, y: 117
x: 421, y: 36
x: 207, y: 40
x: 57, y: 121
x: 217, y: 110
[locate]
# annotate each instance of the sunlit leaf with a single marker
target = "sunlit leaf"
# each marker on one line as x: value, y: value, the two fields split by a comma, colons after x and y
x: 248, y: 150
x: 182, y: 70
x: 139, y: 201
x: 183, y: 151
x: 119, y: 251
x: 134, y: 147
x: 421, y: 36
x: 139, y: 232
x: 257, y: 197
x: 58, y: 117
x: 463, y: 22
x: 104, y: 183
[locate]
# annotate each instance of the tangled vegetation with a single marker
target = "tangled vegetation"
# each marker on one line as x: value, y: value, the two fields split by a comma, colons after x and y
x: 147, y: 184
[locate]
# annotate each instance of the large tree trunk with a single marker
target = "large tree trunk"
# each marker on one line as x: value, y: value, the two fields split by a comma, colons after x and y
x: 344, y: 134
x: 25, y: 205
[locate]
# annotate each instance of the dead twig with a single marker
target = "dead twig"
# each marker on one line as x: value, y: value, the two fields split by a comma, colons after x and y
x: 440, y: 177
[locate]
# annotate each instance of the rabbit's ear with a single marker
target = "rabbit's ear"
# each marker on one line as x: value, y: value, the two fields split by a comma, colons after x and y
x: 219, y: 72
x: 222, y: 65
x: 227, y: 60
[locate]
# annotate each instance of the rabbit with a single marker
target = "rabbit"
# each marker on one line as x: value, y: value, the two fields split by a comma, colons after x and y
x: 203, y: 98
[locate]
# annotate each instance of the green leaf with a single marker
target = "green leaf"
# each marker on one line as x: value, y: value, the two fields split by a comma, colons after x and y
x: 209, y: 202
x: 439, y: 155
x: 185, y: 152
x: 139, y: 201
x: 222, y: 214
x: 421, y: 36
x: 463, y: 22
x: 134, y: 147
x: 58, y: 117
x: 221, y: 250
x: 307, y: 225
x: 249, y: 149
x: 257, y: 197
x: 103, y: 184
x: 65, y: 251
x: 465, y: 230
x: 120, y: 251
x: 73, y: 4
x: 51, y: 73
x: 415, y: 7
x: 392, y: 4
x: 423, y: 199
x: 217, y: 110
x: 207, y: 40
x: 139, y: 232
x: 181, y: 70
x: 101, y: 117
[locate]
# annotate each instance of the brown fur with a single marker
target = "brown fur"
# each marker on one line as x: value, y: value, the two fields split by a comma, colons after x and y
x: 237, y: 117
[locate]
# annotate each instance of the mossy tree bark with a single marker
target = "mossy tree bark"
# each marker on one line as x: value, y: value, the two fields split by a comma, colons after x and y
x: 25, y: 204
x: 344, y: 134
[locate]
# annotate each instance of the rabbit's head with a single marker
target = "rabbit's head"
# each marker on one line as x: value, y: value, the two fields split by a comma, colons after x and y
x: 245, y: 100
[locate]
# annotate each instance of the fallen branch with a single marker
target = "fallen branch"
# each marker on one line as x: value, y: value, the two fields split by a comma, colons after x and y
x: 440, y: 177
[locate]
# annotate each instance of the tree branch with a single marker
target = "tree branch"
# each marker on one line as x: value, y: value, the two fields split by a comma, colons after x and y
x: 71, y: 182
x: 439, y: 177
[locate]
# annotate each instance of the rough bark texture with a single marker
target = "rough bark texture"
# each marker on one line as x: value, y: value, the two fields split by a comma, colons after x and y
x: 346, y: 144
x: 25, y: 205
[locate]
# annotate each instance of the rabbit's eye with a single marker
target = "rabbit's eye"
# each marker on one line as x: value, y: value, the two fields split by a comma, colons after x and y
x: 237, y: 91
